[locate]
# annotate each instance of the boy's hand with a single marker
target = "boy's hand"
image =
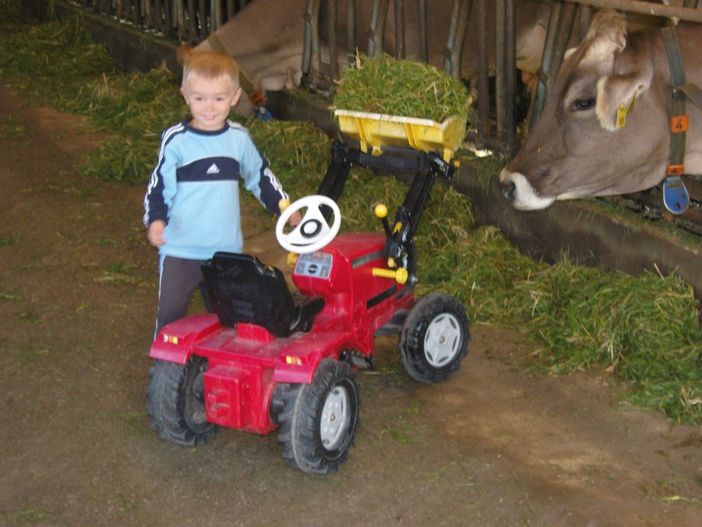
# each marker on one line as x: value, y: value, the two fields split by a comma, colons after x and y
x: 295, y: 218
x: 155, y: 233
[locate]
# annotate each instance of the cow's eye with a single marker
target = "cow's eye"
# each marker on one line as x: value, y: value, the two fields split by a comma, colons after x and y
x: 579, y: 105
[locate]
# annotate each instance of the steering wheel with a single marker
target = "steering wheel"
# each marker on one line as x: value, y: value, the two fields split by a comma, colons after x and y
x: 313, y: 232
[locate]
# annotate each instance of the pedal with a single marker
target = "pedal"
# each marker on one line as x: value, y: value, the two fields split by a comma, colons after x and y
x: 394, y: 325
x: 358, y: 360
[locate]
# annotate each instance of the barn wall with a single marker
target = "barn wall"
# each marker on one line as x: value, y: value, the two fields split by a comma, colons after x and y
x: 131, y: 49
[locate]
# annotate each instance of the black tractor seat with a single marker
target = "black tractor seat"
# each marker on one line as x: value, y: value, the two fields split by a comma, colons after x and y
x: 241, y: 288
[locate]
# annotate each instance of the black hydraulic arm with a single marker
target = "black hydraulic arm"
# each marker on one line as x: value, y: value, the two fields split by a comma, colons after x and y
x: 338, y: 171
x: 429, y: 167
x: 426, y: 167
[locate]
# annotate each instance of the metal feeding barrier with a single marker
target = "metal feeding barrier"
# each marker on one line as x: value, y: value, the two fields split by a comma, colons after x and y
x: 498, y: 123
x: 182, y: 20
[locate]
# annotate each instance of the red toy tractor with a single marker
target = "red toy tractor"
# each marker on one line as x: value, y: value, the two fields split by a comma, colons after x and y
x: 267, y: 358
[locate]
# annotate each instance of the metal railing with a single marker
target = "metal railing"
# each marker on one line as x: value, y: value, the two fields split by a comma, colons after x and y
x: 188, y: 21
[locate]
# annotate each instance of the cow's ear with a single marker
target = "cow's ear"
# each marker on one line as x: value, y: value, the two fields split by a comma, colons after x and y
x: 606, y: 37
x: 183, y: 54
x: 616, y: 96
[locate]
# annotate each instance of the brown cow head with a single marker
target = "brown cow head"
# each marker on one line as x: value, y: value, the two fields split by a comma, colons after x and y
x: 604, y: 127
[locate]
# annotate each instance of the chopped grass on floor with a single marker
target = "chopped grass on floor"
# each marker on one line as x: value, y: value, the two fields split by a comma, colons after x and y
x: 52, y: 61
x: 57, y: 63
x: 138, y: 105
x: 11, y: 128
x: 640, y: 329
x: 119, y: 274
x: 8, y: 296
x: 403, y: 436
x: 9, y: 241
x: 29, y: 315
x: 643, y: 329
x: 31, y: 516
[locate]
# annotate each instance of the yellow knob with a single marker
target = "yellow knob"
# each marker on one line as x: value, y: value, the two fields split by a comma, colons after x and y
x: 283, y: 204
x: 381, y: 211
x: 399, y: 275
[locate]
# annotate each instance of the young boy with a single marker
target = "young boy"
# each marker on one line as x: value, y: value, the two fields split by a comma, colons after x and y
x: 192, y: 200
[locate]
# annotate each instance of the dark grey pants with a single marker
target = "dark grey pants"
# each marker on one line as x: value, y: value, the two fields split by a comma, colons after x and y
x: 178, y: 278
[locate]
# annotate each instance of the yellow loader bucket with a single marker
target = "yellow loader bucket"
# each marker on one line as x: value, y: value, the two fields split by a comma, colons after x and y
x: 375, y: 131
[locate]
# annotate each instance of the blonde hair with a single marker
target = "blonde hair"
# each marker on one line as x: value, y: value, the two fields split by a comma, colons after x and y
x: 210, y: 65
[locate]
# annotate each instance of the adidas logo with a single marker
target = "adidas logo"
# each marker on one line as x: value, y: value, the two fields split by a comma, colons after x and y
x: 214, y: 169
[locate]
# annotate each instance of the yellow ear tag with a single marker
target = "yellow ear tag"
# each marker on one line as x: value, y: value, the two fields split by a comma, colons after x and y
x: 623, y: 111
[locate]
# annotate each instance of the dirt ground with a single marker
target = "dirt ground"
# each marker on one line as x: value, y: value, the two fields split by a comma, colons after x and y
x: 496, y: 445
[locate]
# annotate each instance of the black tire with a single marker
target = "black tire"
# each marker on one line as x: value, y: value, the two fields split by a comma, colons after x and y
x: 434, y: 338
x: 312, y: 439
x: 175, y: 402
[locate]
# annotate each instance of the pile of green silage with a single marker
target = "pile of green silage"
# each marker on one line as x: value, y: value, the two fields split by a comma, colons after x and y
x: 57, y: 63
x: 641, y: 329
x: 134, y: 109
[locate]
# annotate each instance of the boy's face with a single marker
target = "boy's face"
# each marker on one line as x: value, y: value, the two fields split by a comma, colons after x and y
x: 209, y: 100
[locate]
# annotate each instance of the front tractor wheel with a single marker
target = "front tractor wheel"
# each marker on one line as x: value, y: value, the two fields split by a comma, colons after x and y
x: 434, y: 338
x: 175, y: 402
x: 318, y: 421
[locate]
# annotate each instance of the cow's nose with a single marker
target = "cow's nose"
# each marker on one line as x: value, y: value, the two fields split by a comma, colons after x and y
x: 508, y: 187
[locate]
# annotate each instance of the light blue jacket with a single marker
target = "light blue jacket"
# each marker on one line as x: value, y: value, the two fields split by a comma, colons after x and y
x: 195, y: 189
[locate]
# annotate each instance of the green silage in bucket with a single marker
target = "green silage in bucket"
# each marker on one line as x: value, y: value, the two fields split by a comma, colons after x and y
x: 386, y: 85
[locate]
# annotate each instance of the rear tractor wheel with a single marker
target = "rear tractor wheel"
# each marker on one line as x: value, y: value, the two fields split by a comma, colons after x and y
x: 175, y: 402
x: 318, y: 421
